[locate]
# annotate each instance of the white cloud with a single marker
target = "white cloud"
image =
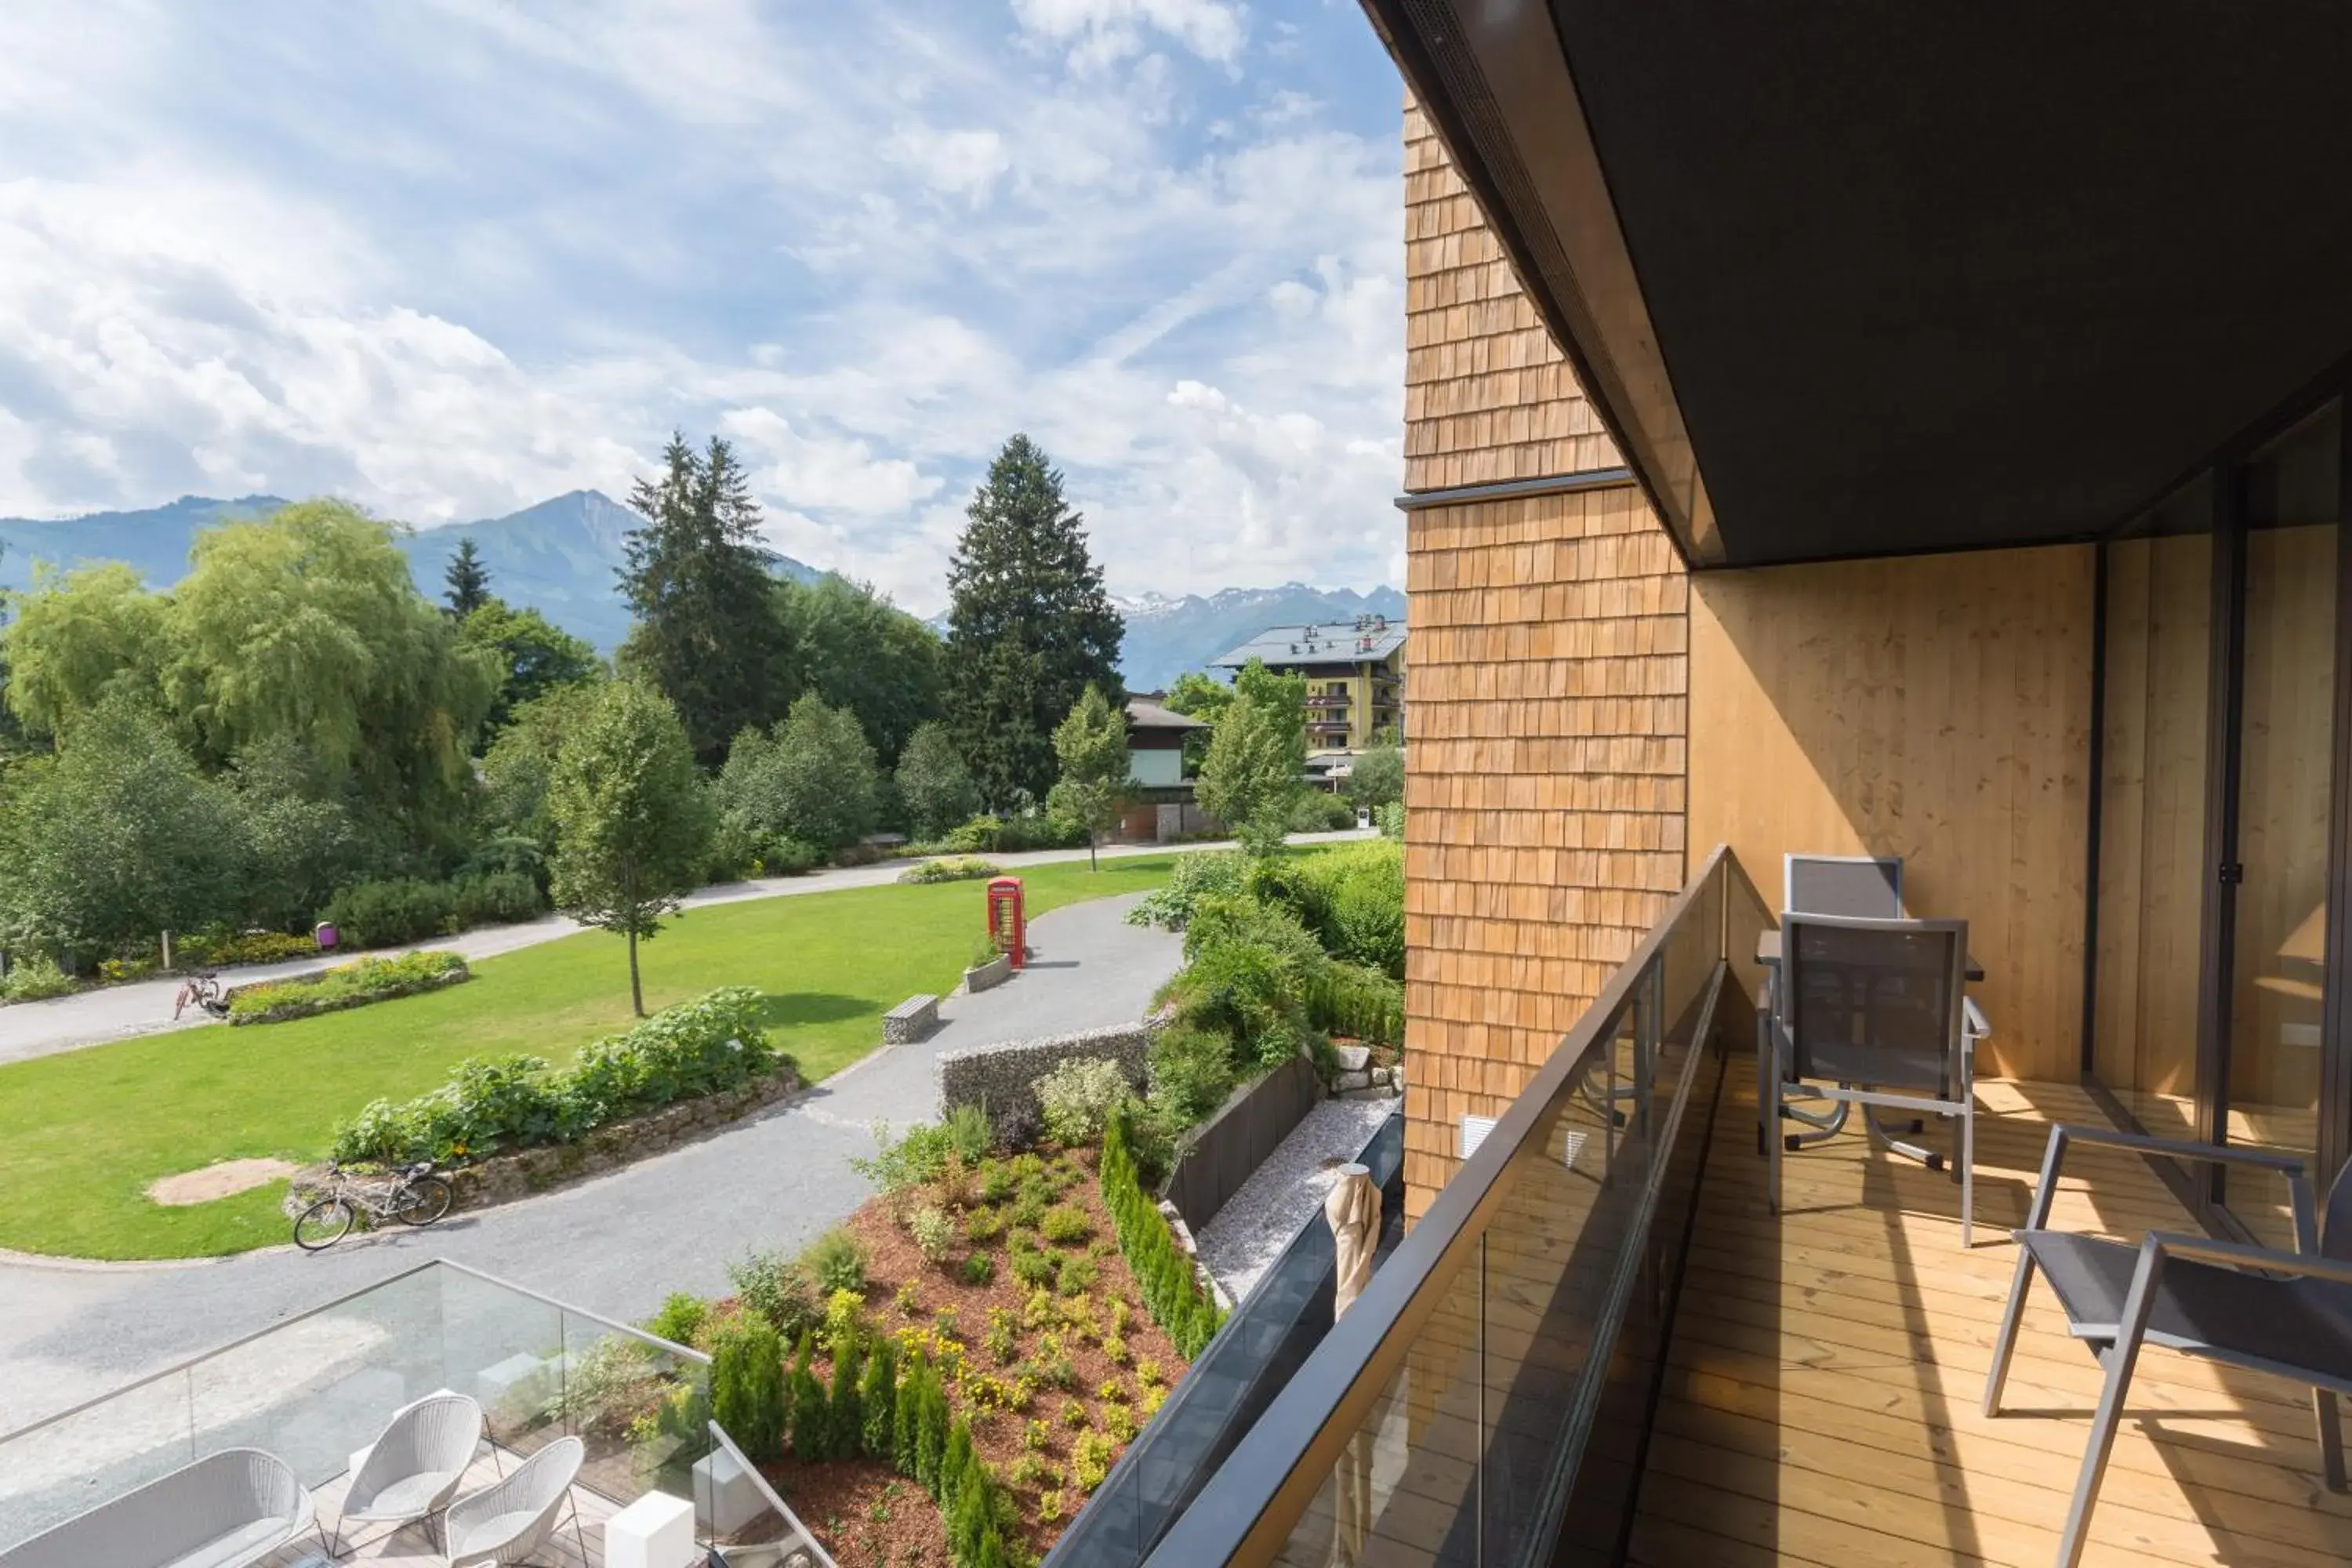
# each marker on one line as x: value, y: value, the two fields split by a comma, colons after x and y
x: 1103, y: 32
x: 512, y: 253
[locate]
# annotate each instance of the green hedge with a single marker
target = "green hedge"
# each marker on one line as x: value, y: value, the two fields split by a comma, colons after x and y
x: 951, y: 869
x: 386, y: 913
x: 1171, y: 1292
x: 714, y: 1043
x: 347, y: 985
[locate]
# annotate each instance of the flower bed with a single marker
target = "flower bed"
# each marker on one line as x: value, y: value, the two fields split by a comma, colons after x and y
x: 346, y: 986
x: 714, y: 1043
x: 1013, y: 1328
x: 953, y: 868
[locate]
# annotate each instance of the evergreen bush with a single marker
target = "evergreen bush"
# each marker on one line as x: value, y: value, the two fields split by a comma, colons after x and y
x: 747, y: 1388
x: 878, y: 1402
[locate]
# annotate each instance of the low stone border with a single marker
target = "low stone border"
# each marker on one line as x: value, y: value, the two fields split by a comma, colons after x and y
x: 502, y: 1178
x: 990, y: 975
x: 1003, y: 1079
x: 1358, y: 1074
x: 305, y: 1008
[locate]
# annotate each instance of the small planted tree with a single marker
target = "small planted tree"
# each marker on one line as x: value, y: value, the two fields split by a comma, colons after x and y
x: 934, y: 782
x: 632, y: 822
x: 747, y: 1388
x: 812, y: 1412
x: 1251, y: 779
x: 878, y: 1401
x: 1090, y: 744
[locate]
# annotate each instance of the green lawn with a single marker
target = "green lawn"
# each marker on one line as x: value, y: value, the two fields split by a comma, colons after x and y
x: 83, y: 1134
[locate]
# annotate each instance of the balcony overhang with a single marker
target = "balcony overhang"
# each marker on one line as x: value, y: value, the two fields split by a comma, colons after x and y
x: 1848, y: 282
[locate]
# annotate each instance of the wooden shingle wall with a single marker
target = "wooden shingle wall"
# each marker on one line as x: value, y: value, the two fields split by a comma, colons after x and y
x: 1488, y: 395
x: 1546, y: 703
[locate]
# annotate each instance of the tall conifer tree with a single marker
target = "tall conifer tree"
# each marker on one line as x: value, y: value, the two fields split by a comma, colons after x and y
x: 696, y: 579
x: 468, y: 580
x: 1030, y: 628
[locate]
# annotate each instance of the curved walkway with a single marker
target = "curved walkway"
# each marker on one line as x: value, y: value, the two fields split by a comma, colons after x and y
x: 615, y: 1244
x: 29, y: 1029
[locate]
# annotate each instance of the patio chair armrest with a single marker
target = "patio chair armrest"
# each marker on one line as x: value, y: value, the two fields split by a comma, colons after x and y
x: 2066, y: 1133
x: 2183, y: 1148
x: 2244, y: 1255
x: 1973, y: 1022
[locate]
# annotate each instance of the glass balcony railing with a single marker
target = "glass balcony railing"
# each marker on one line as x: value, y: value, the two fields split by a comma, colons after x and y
x: 1494, y: 1378
x: 317, y: 1389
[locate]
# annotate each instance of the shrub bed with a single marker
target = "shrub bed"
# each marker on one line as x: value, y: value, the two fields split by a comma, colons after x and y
x: 386, y: 913
x: 1171, y: 1287
x: 941, y: 1373
x: 346, y: 986
x: 714, y: 1042
x: 951, y: 869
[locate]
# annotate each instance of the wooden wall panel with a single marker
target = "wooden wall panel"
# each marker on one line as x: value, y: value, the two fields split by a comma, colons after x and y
x: 1936, y: 707
x: 1545, y: 694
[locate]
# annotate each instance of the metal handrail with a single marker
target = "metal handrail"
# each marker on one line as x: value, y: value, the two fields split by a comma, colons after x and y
x: 1249, y: 1508
x: 214, y: 1352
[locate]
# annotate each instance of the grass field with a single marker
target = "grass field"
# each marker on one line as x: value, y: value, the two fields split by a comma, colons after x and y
x: 83, y: 1134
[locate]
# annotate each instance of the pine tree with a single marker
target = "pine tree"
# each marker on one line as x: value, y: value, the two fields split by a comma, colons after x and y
x: 1030, y: 626
x: 932, y: 1433
x: 468, y: 580
x: 907, y: 1420
x: 747, y: 1389
x: 878, y: 1402
x: 810, y: 1411
x: 845, y: 1421
x: 695, y: 577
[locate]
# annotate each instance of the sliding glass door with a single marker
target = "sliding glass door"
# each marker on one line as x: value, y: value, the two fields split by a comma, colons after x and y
x: 2219, y: 770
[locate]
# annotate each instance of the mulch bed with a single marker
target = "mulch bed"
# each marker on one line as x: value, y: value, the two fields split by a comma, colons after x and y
x: 870, y: 1517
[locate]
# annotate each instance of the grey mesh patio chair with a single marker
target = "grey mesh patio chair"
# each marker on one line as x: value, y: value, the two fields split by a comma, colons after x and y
x: 1866, y: 885
x: 509, y: 1520
x: 1872, y: 1013
x: 415, y: 1468
x: 226, y: 1510
x: 2283, y: 1312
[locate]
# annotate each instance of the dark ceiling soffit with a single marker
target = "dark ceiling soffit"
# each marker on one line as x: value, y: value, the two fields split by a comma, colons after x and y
x: 1517, y: 489
x: 1497, y: 100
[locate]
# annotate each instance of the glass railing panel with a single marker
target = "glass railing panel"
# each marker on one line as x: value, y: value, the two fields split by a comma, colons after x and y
x: 1686, y: 961
x: 505, y: 1348
x: 642, y: 1411
x: 1404, y: 1489
x: 1746, y: 917
x: 51, y: 1473
x: 739, y: 1514
x: 1553, y: 1254
x: 318, y: 1388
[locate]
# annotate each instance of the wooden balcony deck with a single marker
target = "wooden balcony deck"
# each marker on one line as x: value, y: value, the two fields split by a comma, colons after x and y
x: 1824, y: 1386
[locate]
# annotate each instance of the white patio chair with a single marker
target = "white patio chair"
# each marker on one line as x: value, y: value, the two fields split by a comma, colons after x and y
x: 228, y: 1509
x: 508, y: 1519
x: 415, y: 1468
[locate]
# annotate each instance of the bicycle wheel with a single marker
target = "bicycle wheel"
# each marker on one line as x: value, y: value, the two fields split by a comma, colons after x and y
x: 323, y: 1225
x: 421, y: 1201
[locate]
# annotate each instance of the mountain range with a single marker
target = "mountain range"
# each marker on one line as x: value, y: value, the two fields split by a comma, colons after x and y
x: 559, y: 558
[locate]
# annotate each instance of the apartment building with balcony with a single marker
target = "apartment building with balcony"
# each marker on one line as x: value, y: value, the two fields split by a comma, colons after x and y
x: 1354, y: 670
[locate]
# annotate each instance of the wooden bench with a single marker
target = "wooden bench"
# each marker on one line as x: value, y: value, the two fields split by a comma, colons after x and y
x: 911, y: 1020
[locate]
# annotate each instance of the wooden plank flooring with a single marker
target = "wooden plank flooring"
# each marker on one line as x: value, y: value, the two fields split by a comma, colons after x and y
x: 1822, y: 1400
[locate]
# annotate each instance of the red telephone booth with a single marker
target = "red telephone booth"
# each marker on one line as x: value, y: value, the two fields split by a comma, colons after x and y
x: 1007, y: 927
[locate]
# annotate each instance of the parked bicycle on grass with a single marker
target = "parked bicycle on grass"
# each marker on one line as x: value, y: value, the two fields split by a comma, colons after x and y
x: 413, y: 1195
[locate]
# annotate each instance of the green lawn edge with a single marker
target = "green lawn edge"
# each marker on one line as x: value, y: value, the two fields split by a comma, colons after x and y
x: 84, y: 1133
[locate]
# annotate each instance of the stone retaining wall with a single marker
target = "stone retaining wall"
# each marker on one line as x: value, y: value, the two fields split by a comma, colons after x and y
x: 990, y: 975
x: 1003, y: 1079
x: 503, y: 1178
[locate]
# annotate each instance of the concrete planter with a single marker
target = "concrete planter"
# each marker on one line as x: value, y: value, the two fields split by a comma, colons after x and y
x: 989, y: 975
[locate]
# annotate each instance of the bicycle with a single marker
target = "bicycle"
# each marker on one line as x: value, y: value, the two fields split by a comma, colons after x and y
x: 201, y: 991
x: 415, y: 1196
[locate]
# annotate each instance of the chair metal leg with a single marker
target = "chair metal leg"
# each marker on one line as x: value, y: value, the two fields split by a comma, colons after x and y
x: 2331, y: 1437
x: 2120, y: 1358
x: 1772, y: 1180
x: 1969, y: 1176
x: 2006, y: 1341
x: 1768, y: 1100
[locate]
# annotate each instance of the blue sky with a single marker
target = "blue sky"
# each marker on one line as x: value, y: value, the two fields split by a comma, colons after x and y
x: 448, y: 258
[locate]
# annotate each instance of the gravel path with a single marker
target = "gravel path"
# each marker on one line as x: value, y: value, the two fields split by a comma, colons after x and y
x: 1258, y: 1222
x: 615, y: 1244
x: 29, y: 1029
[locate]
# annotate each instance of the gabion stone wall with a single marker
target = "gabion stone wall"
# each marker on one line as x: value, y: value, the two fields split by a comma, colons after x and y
x: 1003, y: 1079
